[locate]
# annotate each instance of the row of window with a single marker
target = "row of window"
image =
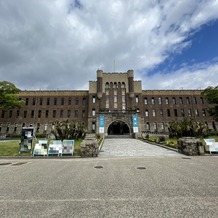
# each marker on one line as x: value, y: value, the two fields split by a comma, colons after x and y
x: 54, y: 101
x: 175, y: 112
x: 114, y: 85
x: 52, y: 113
x: 173, y: 100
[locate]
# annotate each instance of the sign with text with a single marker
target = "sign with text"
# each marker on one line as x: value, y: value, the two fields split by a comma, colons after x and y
x: 101, y: 124
x: 135, y: 123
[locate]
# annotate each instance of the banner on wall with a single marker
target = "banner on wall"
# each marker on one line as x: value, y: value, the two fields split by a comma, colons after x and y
x: 135, y: 123
x: 101, y: 124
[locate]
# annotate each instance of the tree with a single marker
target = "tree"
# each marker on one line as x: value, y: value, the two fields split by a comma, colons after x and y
x: 68, y: 130
x: 211, y: 96
x: 9, y: 96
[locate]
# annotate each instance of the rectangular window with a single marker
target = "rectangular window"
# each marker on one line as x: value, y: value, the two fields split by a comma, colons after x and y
x: 152, y: 101
x: 84, y: 101
x: 55, y: 101
x: 145, y: 101
x: 195, y: 100
x: 153, y: 113
x: 76, y: 101
x: 196, y: 112
x: 148, y: 126
x: 62, y: 101
x: 167, y: 100
x: 32, y: 114
x: 76, y: 113
x: 115, y: 98
x: 34, y: 101
x: 189, y: 113
x: 162, y: 126
x: 168, y: 112
x: 203, y: 112
x: 83, y: 114
x: 174, y: 100
x: 155, y: 126
x: 175, y: 113
x: 69, y: 101
x: 180, y: 100
x: 54, y: 114
x: 39, y: 113
x: 40, y: 101
x: 48, y: 101
x: 123, y: 98
x: 161, y: 112
x: 27, y: 101
x: 68, y: 113
x: 201, y: 100
x: 46, y: 114
x: 137, y: 99
x: 182, y: 112
x: 93, y: 112
x: 61, y: 113
x: 93, y: 99
x: 187, y: 100
x: 159, y: 100
x: 146, y: 113
x: 24, y: 114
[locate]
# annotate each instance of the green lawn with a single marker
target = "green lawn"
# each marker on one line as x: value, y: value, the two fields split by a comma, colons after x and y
x: 11, y: 148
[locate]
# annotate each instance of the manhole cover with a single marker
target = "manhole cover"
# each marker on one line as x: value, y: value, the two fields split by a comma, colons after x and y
x: 98, y: 167
x: 186, y: 158
x: 19, y: 163
x: 4, y: 164
x: 141, y: 168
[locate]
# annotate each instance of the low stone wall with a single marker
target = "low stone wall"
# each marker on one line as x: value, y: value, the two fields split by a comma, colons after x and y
x: 190, y: 146
x: 89, y: 146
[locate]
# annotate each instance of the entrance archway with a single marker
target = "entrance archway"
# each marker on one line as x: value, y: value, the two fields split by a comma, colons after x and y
x: 118, y: 128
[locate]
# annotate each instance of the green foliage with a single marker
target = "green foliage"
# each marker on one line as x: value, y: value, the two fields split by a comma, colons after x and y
x: 186, y: 127
x: 211, y: 96
x: 8, y: 96
x: 68, y: 130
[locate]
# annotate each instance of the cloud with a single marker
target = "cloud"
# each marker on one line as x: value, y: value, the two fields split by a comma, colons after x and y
x: 59, y: 44
x: 197, y: 76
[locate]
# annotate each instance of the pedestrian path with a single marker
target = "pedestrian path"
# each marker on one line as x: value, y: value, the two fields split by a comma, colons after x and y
x: 128, y: 147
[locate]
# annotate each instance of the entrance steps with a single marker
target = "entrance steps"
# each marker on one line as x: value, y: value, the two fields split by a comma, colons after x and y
x: 117, y: 136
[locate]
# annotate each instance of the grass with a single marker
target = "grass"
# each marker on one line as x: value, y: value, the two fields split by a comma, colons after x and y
x: 11, y: 148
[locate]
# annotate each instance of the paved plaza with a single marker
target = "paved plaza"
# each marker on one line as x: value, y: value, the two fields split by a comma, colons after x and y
x: 156, y: 186
x: 128, y: 147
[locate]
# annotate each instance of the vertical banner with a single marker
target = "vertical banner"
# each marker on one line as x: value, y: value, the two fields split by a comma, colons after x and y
x: 101, y: 124
x: 135, y: 123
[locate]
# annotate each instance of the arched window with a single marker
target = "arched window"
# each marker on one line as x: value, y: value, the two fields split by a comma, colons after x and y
x: 123, y: 86
x: 115, y: 85
x: 107, y: 86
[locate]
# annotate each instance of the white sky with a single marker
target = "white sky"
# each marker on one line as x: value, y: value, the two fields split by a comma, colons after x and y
x: 51, y: 44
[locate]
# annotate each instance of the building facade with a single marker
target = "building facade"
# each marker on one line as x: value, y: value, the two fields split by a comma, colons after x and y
x: 114, y: 104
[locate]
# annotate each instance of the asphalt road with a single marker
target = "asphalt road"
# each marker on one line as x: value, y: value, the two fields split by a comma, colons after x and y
x: 163, y: 186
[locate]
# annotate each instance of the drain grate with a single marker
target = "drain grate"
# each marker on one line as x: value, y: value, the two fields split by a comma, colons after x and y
x: 141, y: 168
x: 19, y: 163
x: 4, y: 164
x: 98, y: 167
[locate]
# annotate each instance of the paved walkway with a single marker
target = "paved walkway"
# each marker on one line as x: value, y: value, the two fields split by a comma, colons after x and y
x: 127, y: 147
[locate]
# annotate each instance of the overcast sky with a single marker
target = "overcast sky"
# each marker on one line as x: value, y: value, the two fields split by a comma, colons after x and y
x: 59, y: 44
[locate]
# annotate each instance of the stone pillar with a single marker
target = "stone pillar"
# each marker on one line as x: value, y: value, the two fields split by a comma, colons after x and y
x: 99, y: 83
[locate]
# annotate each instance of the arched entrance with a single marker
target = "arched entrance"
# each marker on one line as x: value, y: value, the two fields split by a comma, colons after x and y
x: 118, y: 128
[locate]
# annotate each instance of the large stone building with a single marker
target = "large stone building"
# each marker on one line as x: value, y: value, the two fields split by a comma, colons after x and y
x: 114, y: 104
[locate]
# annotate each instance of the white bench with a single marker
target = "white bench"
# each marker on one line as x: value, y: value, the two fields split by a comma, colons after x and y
x: 211, y: 145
